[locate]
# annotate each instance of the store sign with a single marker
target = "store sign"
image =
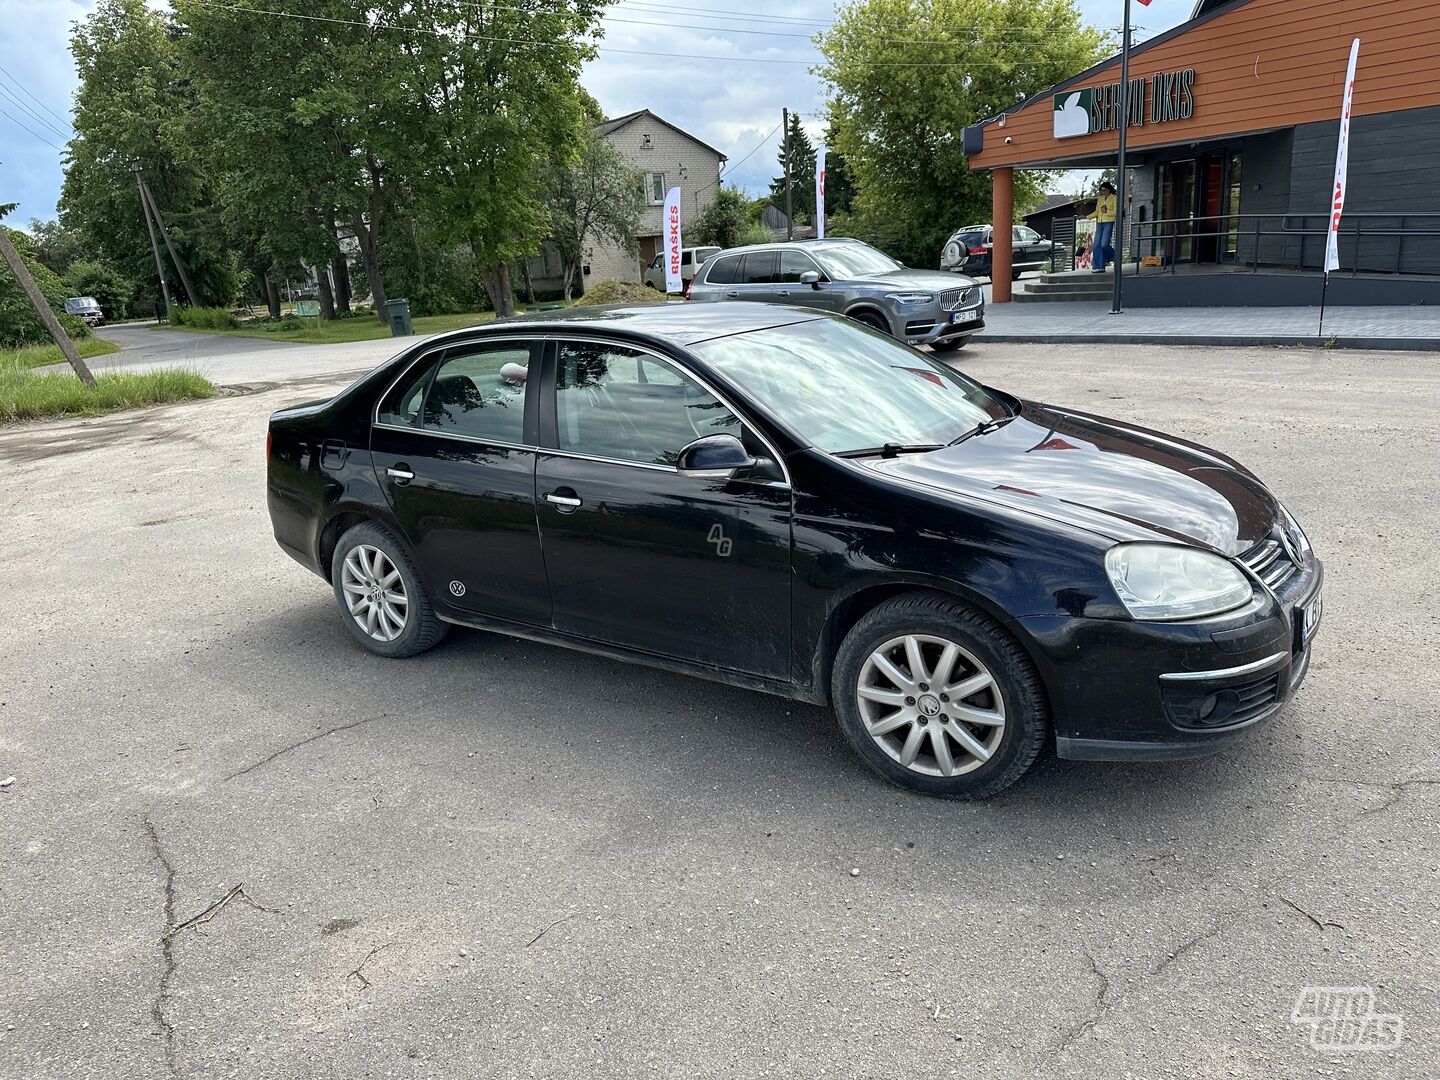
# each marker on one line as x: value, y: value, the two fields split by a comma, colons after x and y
x: 1168, y: 95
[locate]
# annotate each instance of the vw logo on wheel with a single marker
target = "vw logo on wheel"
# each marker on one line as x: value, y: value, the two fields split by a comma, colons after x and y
x: 457, y: 588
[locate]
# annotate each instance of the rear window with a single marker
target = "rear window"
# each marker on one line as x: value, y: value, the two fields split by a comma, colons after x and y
x: 724, y: 271
x: 762, y: 267
x: 973, y: 237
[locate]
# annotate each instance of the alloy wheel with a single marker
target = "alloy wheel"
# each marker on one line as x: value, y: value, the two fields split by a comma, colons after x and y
x: 931, y: 705
x: 374, y: 592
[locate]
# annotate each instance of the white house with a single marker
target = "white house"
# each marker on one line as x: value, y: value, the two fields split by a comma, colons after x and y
x: 667, y: 157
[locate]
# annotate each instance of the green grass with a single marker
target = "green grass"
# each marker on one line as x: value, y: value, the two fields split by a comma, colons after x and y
x: 40, y: 355
x: 30, y: 395
x: 358, y: 328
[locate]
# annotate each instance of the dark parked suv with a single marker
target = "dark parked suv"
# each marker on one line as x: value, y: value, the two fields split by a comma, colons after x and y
x: 794, y: 503
x: 969, y: 251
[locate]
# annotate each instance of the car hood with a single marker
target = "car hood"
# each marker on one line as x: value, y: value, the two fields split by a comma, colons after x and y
x: 906, y: 278
x: 1121, y: 481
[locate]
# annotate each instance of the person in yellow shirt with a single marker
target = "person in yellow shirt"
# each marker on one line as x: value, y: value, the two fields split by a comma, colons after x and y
x: 1104, y: 228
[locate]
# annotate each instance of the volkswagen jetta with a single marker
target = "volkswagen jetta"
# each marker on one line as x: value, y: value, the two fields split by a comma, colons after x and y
x: 795, y: 503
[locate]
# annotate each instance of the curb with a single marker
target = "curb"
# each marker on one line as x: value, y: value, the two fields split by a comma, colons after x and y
x: 1376, y: 344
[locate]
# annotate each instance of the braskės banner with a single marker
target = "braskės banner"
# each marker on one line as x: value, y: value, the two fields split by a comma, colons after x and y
x: 820, y: 192
x: 673, y: 281
x: 1342, y: 165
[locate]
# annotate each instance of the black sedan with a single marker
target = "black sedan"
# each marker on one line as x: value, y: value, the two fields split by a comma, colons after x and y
x: 797, y: 504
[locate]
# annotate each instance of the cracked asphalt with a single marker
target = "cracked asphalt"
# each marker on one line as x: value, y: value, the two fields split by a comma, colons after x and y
x: 505, y: 860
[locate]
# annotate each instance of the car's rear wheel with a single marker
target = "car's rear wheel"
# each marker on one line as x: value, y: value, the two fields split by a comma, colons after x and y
x: 381, y: 597
x: 937, y: 698
x: 872, y: 320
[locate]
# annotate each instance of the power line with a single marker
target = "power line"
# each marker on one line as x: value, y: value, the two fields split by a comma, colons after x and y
x: 731, y: 168
x: 32, y: 97
x: 32, y: 131
x: 723, y: 13
x: 31, y: 113
x: 597, y: 48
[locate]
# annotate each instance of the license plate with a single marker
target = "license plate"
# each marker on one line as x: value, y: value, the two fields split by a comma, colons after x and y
x: 1309, y: 617
x: 965, y: 316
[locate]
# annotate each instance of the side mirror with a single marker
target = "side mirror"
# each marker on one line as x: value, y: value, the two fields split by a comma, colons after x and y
x: 811, y: 278
x: 714, y: 457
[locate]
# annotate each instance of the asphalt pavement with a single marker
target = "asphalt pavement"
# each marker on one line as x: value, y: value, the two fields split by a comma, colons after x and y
x: 503, y: 859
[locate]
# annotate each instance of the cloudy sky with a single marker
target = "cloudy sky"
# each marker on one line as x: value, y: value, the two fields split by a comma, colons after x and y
x: 732, y: 88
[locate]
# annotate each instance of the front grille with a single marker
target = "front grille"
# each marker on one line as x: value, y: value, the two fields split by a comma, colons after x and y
x: 1197, y: 706
x: 955, y: 299
x: 1272, y: 561
x: 1252, y: 700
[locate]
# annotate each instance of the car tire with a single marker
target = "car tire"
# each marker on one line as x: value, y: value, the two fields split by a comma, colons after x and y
x: 872, y: 320
x: 985, y: 758
x: 949, y: 345
x: 367, y: 556
x: 1015, y: 274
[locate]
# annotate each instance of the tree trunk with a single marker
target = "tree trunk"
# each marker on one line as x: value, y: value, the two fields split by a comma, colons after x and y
x: 272, y: 296
x: 340, y: 267
x: 366, y: 237
x: 498, y: 288
x: 529, y: 284
x: 327, y: 299
x: 567, y: 275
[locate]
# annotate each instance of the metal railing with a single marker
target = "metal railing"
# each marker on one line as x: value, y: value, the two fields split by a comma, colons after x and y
x: 1376, y: 242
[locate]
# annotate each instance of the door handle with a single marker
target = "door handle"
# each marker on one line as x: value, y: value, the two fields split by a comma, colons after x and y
x: 566, y: 503
x: 783, y: 292
x: 401, y: 472
x: 734, y: 294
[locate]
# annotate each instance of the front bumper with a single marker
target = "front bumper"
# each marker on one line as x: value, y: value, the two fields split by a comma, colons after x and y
x: 1132, y: 691
x: 924, y: 326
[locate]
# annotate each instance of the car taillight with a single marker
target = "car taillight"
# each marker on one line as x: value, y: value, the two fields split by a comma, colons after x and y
x: 980, y: 249
x: 268, y: 439
x: 689, y: 285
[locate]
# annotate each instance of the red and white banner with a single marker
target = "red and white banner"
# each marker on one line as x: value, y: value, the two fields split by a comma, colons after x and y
x: 673, y: 281
x: 820, y: 192
x: 1342, y: 166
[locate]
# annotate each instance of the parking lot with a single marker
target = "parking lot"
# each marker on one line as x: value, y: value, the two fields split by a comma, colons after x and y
x: 504, y: 859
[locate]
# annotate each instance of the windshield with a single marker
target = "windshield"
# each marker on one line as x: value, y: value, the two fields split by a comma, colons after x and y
x: 853, y: 260
x: 843, y: 387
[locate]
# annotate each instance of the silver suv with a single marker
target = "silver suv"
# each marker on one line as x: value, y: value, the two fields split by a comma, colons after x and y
x: 922, y: 307
x: 690, y: 259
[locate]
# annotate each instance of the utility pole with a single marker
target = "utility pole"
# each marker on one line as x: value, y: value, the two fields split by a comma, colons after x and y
x: 789, y: 219
x: 149, y: 197
x: 42, y: 308
x: 154, y: 244
x: 1118, y: 303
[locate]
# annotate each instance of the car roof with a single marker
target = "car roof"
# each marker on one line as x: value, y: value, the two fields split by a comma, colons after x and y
x: 679, y: 323
x: 803, y: 245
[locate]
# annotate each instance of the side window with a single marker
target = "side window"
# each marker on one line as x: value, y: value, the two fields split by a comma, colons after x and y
x: 401, y: 407
x: 795, y: 263
x: 627, y: 405
x: 724, y: 271
x: 655, y: 262
x: 479, y: 392
x: 686, y: 257
x: 761, y: 267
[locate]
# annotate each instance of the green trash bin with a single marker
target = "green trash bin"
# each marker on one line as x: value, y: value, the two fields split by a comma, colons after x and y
x: 397, y: 313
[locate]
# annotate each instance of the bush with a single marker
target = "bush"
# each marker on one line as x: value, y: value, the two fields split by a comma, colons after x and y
x: 114, y: 292
x: 26, y: 395
x: 19, y: 324
x: 204, y: 318
x: 611, y: 291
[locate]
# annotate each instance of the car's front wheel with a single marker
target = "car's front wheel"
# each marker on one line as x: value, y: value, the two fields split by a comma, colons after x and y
x: 872, y: 320
x: 381, y: 597
x: 937, y: 698
x: 950, y: 344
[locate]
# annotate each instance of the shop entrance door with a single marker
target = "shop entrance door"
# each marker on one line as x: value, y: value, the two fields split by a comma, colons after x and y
x: 1178, y: 191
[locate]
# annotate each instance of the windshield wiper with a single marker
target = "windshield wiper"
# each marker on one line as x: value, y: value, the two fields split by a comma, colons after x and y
x: 984, y: 428
x: 892, y: 449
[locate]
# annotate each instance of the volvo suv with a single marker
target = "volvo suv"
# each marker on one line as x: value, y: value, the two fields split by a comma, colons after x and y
x: 921, y: 307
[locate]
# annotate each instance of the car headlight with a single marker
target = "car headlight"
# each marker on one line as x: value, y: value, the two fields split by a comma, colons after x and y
x: 1163, y: 581
x: 909, y: 297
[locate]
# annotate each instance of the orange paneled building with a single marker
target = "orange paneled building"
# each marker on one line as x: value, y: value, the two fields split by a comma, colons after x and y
x: 1232, y: 133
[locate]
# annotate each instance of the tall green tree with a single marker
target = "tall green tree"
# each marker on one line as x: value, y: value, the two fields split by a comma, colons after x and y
x: 131, y: 107
x: 493, y: 98
x: 802, y: 173
x: 595, y: 196
x: 898, y: 126
x: 724, y: 220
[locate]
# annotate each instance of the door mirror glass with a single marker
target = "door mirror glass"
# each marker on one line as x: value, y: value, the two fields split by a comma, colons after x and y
x: 810, y: 277
x: 714, y: 457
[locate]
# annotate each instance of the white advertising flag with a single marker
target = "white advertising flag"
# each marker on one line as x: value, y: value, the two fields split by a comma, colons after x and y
x: 1342, y: 166
x: 673, y: 280
x: 820, y: 192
